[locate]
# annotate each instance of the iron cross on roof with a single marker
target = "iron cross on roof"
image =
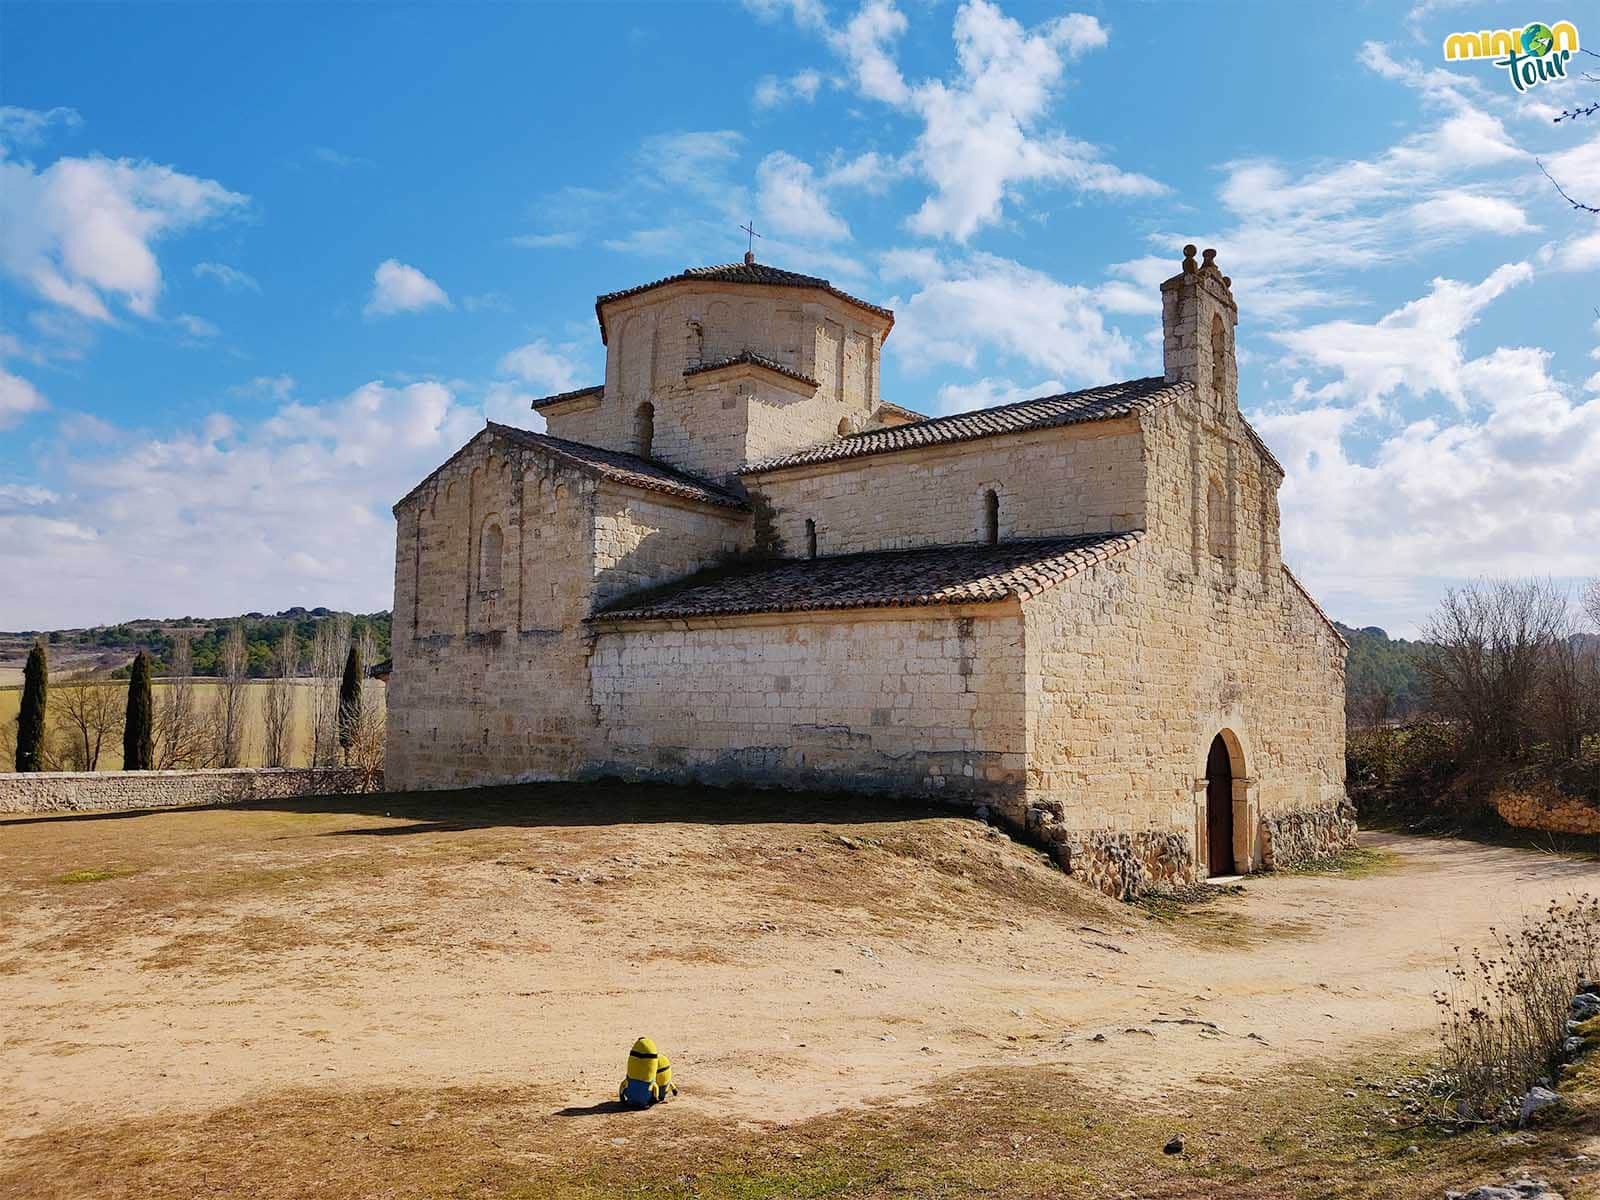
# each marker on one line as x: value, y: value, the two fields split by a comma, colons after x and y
x: 750, y: 250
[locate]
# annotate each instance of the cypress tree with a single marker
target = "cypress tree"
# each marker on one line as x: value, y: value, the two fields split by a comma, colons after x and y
x: 138, y: 745
x: 30, y: 721
x: 350, y: 698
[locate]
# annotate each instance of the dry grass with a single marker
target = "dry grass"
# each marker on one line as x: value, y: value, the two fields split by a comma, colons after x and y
x: 208, y: 692
x: 284, y: 943
x: 1040, y: 1132
x: 1504, y: 1012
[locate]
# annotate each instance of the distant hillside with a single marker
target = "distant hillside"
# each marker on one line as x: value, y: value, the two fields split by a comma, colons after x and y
x: 1379, y: 664
x: 112, y: 647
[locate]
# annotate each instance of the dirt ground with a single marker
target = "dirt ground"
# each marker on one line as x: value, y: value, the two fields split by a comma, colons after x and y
x: 159, y: 969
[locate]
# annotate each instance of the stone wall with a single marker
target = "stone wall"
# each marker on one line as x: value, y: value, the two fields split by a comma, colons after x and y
x: 1050, y: 483
x: 121, y: 791
x: 1548, y: 810
x: 926, y: 703
x: 490, y: 681
x: 1294, y: 837
x: 641, y: 542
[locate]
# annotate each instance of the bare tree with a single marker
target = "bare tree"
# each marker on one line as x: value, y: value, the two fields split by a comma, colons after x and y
x: 279, y: 714
x: 88, y: 712
x: 183, y: 734
x: 234, y: 662
x: 365, y: 752
x: 1591, y: 603
x: 1490, y: 643
x: 1567, y: 707
x: 329, y: 648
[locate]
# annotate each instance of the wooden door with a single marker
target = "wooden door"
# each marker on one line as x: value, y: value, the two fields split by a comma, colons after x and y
x: 1219, y: 809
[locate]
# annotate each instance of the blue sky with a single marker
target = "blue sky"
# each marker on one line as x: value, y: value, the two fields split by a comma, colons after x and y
x: 263, y: 266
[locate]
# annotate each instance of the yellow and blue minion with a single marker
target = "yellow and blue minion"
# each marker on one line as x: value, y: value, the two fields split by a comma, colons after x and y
x: 638, y: 1089
x: 664, y: 1085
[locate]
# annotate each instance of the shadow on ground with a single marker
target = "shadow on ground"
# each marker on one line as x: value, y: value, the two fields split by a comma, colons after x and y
x: 551, y: 805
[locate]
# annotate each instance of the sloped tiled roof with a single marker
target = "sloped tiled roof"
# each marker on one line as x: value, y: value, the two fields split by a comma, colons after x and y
x: 627, y: 469
x: 741, y: 272
x: 899, y: 410
x: 751, y: 358
x: 937, y: 575
x: 572, y: 395
x: 1070, y: 408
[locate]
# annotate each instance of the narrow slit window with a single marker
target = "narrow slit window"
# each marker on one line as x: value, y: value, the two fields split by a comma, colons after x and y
x: 491, y: 551
x: 1219, y: 366
x: 644, y: 429
x: 811, y: 538
x: 991, y: 516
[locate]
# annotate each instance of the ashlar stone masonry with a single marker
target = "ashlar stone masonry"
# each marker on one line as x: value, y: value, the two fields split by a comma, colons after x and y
x: 734, y: 563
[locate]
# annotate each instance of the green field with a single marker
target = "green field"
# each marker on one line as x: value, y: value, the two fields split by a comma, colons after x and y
x: 207, y: 692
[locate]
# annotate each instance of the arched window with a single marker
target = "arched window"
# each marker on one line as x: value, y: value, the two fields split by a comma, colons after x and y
x: 811, y: 538
x: 1219, y: 521
x: 844, y: 426
x: 644, y: 429
x: 991, y: 516
x: 491, y: 550
x: 1219, y: 365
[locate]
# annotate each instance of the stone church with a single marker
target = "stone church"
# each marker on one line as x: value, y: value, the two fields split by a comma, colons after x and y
x: 734, y: 562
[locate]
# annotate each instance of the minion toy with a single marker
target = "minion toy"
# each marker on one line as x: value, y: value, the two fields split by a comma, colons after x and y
x: 664, y: 1085
x: 638, y: 1090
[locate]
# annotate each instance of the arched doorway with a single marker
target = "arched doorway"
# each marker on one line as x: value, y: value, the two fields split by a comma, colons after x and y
x: 1219, y: 809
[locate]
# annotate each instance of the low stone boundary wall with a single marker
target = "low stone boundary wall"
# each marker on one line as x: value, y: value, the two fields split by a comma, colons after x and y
x: 1548, y: 812
x: 1292, y: 837
x: 121, y: 791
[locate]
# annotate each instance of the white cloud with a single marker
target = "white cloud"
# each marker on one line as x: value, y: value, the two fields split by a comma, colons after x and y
x: 231, y: 278
x: 1442, y: 497
x: 25, y: 495
x: 86, y: 427
x: 802, y: 87
x: 543, y: 366
x: 983, y: 302
x: 981, y: 136
x: 330, y: 157
x: 1458, y: 211
x: 196, y: 327
x: 27, y: 126
x: 398, y: 288
x: 82, y: 230
x: 1416, y: 347
x: 990, y: 393
x: 18, y: 398
x: 274, y: 387
x: 791, y: 200
x: 1295, y: 235
x: 229, y: 517
x: 984, y: 133
x: 544, y: 241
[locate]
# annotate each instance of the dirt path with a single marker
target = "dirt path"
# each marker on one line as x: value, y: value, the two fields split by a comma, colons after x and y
x: 790, y: 965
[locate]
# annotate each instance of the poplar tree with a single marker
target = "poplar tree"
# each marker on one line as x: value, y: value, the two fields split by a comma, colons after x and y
x: 30, y: 721
x: 350, y: 698
x: 138, y: 741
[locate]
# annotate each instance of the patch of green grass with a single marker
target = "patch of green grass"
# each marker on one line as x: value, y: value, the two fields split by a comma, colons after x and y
x: 1357, y: 862
x: 94, y: 874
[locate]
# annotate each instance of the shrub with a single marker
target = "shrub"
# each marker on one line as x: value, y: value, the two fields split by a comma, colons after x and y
x: 1504, y: 1012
